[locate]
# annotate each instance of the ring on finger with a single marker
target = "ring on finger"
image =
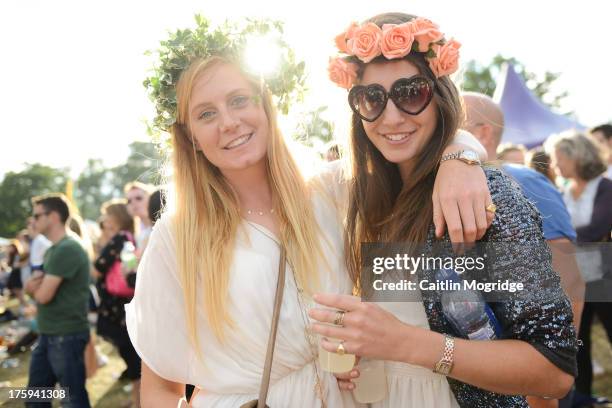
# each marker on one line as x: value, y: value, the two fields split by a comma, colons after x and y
x: 340, y: 350
x: 492, y: 208
x: 339, y: 320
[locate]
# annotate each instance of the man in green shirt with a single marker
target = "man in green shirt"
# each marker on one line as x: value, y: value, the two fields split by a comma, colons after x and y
x: 61, y: 294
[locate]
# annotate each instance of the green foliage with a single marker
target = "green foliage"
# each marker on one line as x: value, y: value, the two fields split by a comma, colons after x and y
x: 95, y: 185
x: 313, y: 128
x: 17, y: 188
x: 92, y: 189
x: 229, y: 41
x: 143, y: 164
x: 481, y: 78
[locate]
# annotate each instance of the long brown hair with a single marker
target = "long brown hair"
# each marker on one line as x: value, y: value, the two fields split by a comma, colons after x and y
x: 381, y: 206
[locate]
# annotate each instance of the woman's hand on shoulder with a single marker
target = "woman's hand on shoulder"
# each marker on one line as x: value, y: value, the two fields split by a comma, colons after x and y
x: 460, y: 198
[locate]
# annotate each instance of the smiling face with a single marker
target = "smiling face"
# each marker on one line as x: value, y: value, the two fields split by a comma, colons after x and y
x: 399, y: 136
x: 227, y: 119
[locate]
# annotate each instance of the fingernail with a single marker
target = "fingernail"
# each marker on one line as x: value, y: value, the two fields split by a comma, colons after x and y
x: 351, y: 386
x: 354, y: 373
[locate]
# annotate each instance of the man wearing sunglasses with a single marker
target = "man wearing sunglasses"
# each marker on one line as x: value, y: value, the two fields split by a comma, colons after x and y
x: 62, y: 295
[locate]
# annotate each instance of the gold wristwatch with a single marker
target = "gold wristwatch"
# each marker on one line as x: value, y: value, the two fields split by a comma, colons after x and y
x: 445, y: 365
x: 466, y: 156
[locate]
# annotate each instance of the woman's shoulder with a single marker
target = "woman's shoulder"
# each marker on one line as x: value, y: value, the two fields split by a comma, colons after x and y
x: 331, y: 172
x: 605, y: 186
x: 161, y: 249
x: 331, y: 182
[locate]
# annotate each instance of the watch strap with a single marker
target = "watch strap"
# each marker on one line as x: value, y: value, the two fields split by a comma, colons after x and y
x: 445, y: 365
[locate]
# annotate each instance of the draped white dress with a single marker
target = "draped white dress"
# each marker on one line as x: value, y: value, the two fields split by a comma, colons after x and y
x: 230, y: 374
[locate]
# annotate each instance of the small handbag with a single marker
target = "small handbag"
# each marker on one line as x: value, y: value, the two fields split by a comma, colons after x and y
x: 278, y: 299
x: 116, y: 284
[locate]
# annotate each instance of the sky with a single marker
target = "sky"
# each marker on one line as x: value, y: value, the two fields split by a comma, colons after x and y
x: 71, y: 71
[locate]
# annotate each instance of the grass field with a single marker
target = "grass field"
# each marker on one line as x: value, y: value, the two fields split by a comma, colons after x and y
x: 106, y: 391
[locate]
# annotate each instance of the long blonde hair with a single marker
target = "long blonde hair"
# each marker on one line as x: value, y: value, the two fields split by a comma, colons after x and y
x: 207, y: 214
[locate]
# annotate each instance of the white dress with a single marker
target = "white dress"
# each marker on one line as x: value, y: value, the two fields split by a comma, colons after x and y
x: 230, y: 374
x: 408, y: 386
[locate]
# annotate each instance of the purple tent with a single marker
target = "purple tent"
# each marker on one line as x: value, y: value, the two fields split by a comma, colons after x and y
x: 527, y: 120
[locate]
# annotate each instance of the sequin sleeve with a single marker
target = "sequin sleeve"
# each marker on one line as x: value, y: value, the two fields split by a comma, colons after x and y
x: 540, y: 314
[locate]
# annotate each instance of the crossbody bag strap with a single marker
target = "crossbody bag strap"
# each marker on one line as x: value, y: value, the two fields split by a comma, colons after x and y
x: 278, y: 300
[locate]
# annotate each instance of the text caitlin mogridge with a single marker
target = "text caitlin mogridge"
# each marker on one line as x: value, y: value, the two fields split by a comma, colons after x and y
x: 405, y: 263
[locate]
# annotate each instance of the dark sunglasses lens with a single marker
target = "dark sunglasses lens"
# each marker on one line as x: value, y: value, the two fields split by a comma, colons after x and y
x: 368, y: 102
x: 412, y: 95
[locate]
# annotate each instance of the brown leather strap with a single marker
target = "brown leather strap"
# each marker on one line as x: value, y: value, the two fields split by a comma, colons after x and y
x: 278, y: 300
x: 193, y: 395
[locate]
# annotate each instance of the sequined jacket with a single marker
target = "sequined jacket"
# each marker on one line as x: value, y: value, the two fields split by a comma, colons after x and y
x: 540, y: 314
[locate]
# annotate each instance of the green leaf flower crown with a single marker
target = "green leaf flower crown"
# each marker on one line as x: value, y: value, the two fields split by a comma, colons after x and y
x: 230, y: 41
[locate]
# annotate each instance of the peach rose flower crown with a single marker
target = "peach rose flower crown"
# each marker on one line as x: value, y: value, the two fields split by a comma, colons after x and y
x: 368, y: 41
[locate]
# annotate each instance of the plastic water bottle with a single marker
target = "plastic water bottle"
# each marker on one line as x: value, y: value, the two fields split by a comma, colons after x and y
x: 128, y: 256
x: 467, y: 310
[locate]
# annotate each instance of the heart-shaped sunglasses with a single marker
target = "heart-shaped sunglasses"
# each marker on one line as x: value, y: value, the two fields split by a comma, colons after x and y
x: 410, y: 95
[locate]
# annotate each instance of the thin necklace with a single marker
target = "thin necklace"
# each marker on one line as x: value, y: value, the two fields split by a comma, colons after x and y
x: 258, y: 212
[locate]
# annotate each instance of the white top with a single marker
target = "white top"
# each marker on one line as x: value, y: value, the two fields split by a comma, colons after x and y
x: 230, y: 374
x: 581, y: 211
x: 38, y: 247
x: 143, y: 235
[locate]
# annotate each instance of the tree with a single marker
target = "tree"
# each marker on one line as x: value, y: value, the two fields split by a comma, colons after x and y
x: 17, y: 188
x: 143, y: 164
x: 481, y: 78
x: 92, y: 188
x: 313, y: 130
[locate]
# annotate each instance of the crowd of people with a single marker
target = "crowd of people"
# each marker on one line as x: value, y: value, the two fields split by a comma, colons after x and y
x: 197, y: 299
x: 72, y: 281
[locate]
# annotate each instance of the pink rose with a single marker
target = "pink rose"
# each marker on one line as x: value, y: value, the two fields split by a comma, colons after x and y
x: 446, y: 60
x: 343, y: 37
x: 341, y: 72
x: 425, y: 32
x: 365, y: 42
x: 396, y: 40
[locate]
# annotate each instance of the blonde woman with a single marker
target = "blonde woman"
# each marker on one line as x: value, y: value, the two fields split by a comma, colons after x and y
x: 205, y: 289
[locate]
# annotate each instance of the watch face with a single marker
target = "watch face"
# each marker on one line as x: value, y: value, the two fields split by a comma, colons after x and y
x: 470, y: 155
x: 444, y: 367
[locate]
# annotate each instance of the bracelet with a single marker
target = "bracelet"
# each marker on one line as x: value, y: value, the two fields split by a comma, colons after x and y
x: 445, y: 365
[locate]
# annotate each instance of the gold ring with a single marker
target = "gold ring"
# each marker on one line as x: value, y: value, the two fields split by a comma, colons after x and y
x: 339, y: 318
x: 340, y: 350
x: 492, y: 208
